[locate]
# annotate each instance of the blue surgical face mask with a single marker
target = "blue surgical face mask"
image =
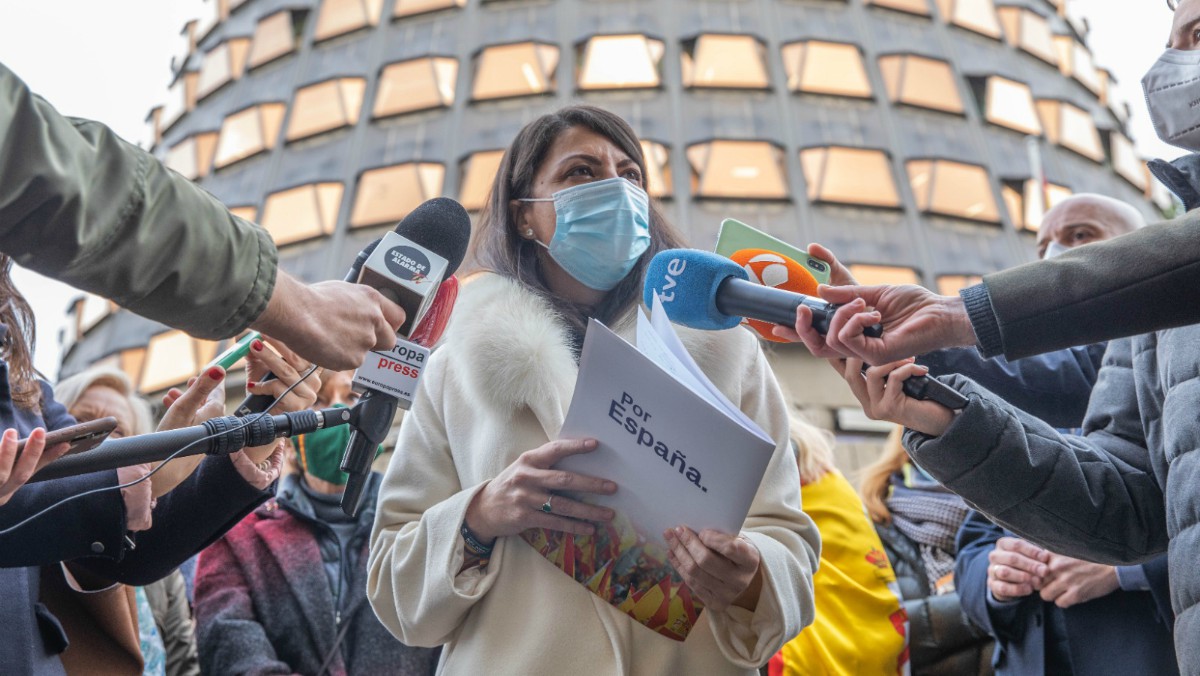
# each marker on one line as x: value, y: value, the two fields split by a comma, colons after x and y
x: 602, y: 229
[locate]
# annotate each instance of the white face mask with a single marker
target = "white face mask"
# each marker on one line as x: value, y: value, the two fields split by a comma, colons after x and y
x: 1054, y: 250
x: 1172, y: 88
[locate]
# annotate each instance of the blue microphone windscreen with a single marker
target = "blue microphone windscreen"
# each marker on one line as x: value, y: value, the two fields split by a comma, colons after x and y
x: 686, y: 281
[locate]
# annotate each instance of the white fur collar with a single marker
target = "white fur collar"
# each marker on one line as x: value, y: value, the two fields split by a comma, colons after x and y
x: 512, y: 351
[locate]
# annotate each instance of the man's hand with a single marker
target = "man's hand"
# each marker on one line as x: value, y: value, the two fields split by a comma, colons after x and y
x: 915, y: 320
x: 1016, y: 569
x: 1072, y: 581
x: 331, y: 324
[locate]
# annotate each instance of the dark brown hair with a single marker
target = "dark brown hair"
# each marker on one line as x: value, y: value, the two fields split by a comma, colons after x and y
x: 17, y: 347
x: 499, y: 248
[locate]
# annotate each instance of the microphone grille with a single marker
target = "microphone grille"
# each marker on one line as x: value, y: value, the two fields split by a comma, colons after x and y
x: 442, y: 226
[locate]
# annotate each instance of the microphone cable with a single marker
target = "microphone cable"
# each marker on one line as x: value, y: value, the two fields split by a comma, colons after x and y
x: 169, y: 458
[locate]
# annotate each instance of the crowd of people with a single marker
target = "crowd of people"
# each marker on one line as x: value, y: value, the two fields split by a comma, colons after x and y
x: 1044, y: 528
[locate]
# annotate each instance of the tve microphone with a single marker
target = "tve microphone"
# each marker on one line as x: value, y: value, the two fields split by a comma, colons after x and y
x: 413, y: 266
x: 217, y: 436
x: 775, y: 270
x: 706, y: 291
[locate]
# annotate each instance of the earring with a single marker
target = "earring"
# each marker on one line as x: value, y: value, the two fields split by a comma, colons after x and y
x: 529, y: 233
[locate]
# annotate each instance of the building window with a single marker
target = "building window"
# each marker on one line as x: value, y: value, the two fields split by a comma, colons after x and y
x: 303, y: 212
x: 338, y: 17
x: 1029, y: 31
x: 922, y: 82
x: 1008, y: 103
x: 953, y: 189
x: 725, y: 61
x: 89, y: 311
x: 387, y: 194
x: 413, y: 7
x: 326, y: 106
x: 620, y: 62
x: 521, y: 69
x: 849, y: 176
x: 885, y: 275
x: 181, y: 100
x: 950, y: 285
x: 1071, y: 128
x: 478, y: 175
x: 419, y: 84
x: 1126, y: 163
x: 658, y: 169
x: 277, y: 36
x: 248, y: 213
x: 978, y: 16
x: 1024, y: 206
x: 193, y: 156
x: 173, y: 357
x: 738, y: 170
x: 1075, y: 61
x: 222, y: 64
x: 826, y: 68
x: 249, y: 132
x: 918, y: 7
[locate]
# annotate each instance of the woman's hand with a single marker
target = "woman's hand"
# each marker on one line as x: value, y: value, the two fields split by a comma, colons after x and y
x: 203, y: 400
x: 16, y: 469
x: 512, y: 502
x: 722, y: 570
x: 881, y: 392
x: 288, y: 367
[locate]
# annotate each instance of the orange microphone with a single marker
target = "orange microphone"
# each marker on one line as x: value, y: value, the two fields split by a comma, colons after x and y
x: 776, y: 270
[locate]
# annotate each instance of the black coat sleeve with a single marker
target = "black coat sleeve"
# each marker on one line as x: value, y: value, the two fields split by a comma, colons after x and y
x: 191, y: 517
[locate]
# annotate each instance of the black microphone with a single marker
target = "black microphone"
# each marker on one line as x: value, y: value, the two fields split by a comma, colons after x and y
x: 217, y: 436
x: 408, y: 266
x: 703, y: 290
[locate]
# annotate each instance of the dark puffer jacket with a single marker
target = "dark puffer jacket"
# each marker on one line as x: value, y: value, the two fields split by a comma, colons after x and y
x: 1121, y: 494
x: 940, y: 637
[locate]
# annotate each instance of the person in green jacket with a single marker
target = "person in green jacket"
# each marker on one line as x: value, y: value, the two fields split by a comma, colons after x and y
x: 81, y: 205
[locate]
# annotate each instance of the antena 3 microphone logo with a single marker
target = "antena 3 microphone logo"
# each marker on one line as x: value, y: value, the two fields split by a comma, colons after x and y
x: 408, y: 263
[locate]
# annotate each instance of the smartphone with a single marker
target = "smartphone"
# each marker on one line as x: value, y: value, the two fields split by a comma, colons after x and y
x: 736, y: 235
x: 82, y: 437
x: 235, y: 352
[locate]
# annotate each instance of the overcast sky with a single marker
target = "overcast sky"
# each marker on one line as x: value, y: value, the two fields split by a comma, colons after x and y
x: 109, y: 61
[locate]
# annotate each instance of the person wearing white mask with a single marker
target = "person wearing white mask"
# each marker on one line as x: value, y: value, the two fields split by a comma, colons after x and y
x: 567, y: 234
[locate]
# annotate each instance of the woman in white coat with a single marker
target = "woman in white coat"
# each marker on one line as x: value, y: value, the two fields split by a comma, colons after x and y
x: 567, y: 235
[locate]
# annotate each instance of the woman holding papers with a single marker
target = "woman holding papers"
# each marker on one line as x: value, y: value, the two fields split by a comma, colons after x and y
x: 566, y: 236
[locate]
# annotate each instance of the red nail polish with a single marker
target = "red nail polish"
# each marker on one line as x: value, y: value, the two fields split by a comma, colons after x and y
x: 216, y: 373
x: 251, y: 384
x: 256, y: 345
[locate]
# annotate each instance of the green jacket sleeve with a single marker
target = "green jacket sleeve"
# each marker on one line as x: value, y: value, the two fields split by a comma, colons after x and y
x: 1125, y: 287
x: 81, y: 205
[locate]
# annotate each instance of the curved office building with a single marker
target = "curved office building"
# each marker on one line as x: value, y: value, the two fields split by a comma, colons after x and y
x: 900, y: 133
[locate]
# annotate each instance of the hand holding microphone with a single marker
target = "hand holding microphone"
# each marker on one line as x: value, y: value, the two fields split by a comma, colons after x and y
x: 300, y: 314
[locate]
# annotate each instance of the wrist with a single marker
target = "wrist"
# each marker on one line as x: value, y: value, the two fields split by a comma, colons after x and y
x: 960, y: 332
x: 476, y: 524
x: 288, y: 299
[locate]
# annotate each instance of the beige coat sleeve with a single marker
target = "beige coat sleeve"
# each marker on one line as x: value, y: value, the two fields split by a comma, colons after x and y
x: 413, y: 581
x: 786, y: 537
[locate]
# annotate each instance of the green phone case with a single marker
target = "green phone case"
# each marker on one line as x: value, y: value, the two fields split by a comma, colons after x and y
x: 736, y: 235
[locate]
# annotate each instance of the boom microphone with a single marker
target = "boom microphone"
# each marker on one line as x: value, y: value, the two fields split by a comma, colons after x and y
x: 217, y: 436
x: 413, y: 266
x: 703, y: 290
